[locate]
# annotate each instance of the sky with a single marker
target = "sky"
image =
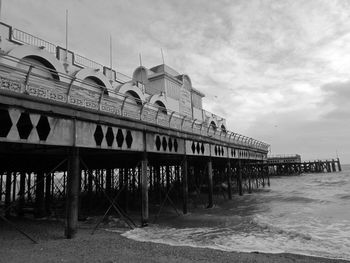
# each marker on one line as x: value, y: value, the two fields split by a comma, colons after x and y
x: 277, y: 70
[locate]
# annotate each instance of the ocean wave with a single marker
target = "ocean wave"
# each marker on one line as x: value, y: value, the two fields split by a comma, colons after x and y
x: 343, y: 196
x: 275, y: 241
x: 266, y: 226
x: 298, y: 199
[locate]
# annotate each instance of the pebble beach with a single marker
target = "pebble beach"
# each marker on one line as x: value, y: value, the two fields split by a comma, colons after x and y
x: 109, y: 246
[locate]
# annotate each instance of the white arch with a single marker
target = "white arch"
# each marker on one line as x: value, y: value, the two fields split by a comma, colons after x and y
x: 185, y: 76
x: 23, y: 51
x: 127, y: 87
x: 161, y: 98
x: 88, y: 73
x: 210, y: 120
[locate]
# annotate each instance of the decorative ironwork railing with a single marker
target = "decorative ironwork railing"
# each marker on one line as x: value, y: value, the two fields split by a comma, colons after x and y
x: 25, y: 38
x: 85, y: 62
x: 70, y: 91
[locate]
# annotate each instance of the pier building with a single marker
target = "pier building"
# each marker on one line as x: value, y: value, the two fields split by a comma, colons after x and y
x: 77, y: 136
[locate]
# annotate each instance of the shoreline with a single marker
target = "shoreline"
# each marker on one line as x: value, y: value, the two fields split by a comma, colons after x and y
x: 108, y: 246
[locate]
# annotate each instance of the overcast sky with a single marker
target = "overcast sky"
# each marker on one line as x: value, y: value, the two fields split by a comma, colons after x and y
x: 278, y: 71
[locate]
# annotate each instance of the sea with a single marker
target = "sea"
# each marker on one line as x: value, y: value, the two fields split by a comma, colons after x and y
x: 307, y: 214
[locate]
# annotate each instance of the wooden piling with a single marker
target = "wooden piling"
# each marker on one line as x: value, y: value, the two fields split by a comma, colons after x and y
x: 210, y: 183
x: 339, y: 166
x: 72, y: 197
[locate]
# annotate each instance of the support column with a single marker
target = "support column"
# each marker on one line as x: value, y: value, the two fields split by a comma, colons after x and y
x: 339, y: 166
x: 126, y: 189
x: 210, y: 183
x: 39, y: 195
x: 184, y: 170
x: 108, y: 182
x: 229, y: 184
x: 29, y: 186
x: 333, y: 166
x: 144, y: 191
x: 48, y: 193
x: 8, y: 193
x: 14, y: 184
x: 167, y: 178
x: 1, y: 181
x: 22, y: 185
x: 72, y: 197
x: 249, y: 180
x: 239, y: 178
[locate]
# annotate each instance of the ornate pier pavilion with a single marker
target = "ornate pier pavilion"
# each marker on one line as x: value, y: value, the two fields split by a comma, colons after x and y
x: 76, y: 136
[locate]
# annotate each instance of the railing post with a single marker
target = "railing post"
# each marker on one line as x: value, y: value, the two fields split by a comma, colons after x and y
x: 141, y: 110
x: 182, y: 122
x: 27, y: 78
x: 70, y: 87
x: 157, y: 115
x: 122, y: 107
x: 193, y: 122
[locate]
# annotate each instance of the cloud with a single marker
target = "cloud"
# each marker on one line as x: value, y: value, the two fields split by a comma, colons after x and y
x: 277, y: 70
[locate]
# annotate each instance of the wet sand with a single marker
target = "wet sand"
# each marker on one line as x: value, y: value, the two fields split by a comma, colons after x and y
x: 106, y: 246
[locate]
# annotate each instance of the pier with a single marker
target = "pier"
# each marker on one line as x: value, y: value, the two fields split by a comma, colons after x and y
x: 292, y: 164
x: 77, y: 138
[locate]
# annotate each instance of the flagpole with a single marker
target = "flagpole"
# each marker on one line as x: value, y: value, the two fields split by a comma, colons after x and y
x: 161, y: 50
x: 110, y: 51
x: 66, y: 34
x: 65, y: 64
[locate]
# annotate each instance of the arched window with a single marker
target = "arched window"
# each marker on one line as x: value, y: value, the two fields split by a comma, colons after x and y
x: 213, y: 125
x: 42, y: 67
x: 133, y: 98
x: 161, y: 106
x: 93, y: 81
x: 223, y: 128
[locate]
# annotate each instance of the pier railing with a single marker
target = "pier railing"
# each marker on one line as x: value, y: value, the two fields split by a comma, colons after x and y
x: 22, y: 79
x: 26, y: 38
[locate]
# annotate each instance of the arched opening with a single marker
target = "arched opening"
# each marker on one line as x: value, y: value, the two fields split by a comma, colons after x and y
x: 133, y: 98
x: 42, y: 67
x: 213, y: 125
x: 161, y: 106
x: 223, y: 128
x: 93, y: 81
